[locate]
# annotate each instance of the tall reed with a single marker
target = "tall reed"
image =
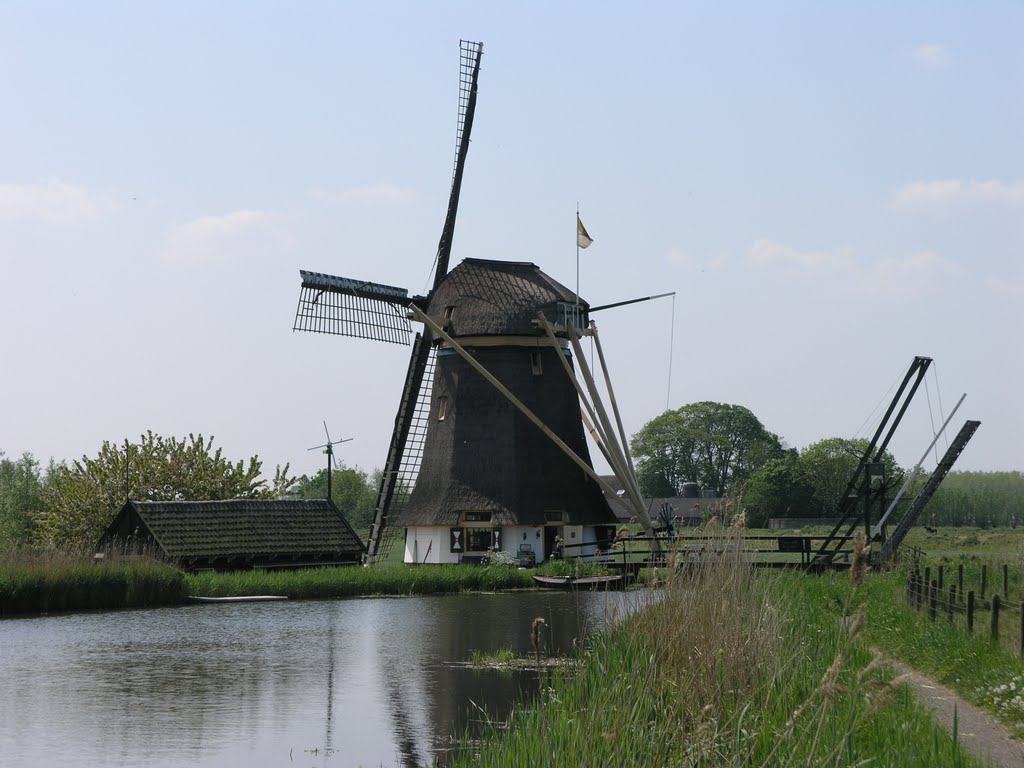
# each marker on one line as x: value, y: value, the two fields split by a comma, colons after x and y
x: 353, y: 581
x: 51, y: 581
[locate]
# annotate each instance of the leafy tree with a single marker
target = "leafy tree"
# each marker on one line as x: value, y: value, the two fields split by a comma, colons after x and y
x: 779, y: 489
x: 81, y: 499
x: 714, y: 444
x: 21, y: 499
x: 829, y: 464
x: 353, y: 491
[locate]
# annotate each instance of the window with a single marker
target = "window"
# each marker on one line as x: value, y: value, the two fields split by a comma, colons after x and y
x: 449, y: 311
x: 535, y: 363
x: 478, y: 517
x: 553, y: 515
x: 442, y: 407
x: 571, y: 313
x: 481, y: 539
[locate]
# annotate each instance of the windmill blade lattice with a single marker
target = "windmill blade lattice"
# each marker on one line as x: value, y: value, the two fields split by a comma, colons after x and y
x: 345, y: 307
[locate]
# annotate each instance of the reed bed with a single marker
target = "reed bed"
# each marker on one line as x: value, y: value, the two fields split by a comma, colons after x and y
x: 318, y: 583
x: 727, y: 667
x: 45, y: 582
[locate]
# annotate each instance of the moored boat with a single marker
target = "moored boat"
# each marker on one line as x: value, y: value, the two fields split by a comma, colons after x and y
x: 578, y: 582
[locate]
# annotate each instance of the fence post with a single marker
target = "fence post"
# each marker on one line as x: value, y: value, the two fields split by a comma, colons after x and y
x: 942, y: 569
x: 1006, y: 581
x: 960, y: 579
x: 927, y: 576
x: 995, y: 617
x: 910, y: 588
x: 933, y: 600
x: 970, y: 612
x: 949, y: 605
x: 919, y: 597
x: 984, y: 580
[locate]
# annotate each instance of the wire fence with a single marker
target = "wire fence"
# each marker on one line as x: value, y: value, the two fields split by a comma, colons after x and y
x: 972, y: 609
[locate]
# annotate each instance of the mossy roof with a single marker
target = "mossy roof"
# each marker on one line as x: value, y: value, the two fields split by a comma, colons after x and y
x: 245, y: 528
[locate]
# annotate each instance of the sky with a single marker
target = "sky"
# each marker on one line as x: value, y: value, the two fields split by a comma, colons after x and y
x: 829, y: 188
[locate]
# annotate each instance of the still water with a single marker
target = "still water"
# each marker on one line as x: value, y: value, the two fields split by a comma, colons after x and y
x: 371, y: 682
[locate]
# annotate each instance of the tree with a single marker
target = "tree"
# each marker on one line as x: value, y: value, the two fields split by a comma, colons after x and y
x: 714, y: 444
x: 81, y: 499
x: 778, y: 489
x: 829, y: 465
x: 21, y: 499
x: 353, y: 492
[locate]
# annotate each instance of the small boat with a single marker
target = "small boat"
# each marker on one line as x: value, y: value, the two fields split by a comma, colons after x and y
x: 243, y: 599
x: 578, y: 582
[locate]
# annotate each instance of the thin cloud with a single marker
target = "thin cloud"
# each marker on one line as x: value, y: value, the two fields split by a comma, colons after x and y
x: 904, y: 275
x: 379, y: 193
x: 767, y: 252
x: 925, y: 193
x: 931, y: 54
x: 916, y: 266
x: 54, y: 202
x: 1011, y: 289
x: 217, y: 237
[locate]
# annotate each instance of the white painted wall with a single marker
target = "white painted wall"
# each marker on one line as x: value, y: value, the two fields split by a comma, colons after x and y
x: 512, y: 537
x: 437, y: 540
x: 429, y: 544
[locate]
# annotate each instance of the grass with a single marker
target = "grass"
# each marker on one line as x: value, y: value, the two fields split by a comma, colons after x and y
x: 500, y: 657
x: 983, y: 672
x: 44, y: 582
x: 729, y: 668
x: 319, y: 583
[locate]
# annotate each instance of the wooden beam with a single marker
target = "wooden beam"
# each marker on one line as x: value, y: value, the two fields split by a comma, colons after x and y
x: 624, y: 472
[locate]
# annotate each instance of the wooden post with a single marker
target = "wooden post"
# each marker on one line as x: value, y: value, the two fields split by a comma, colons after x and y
x: 942, y: 569
x: 970, y: 612
x: 909, y: 594
x: 960, y: 579
x: 927, y: 578
x: 984, y: 580
x: 995, y: 617
x: 920, y: 591
x: 1006, y: 581
x: 933, y: 599
x: 949, y: 604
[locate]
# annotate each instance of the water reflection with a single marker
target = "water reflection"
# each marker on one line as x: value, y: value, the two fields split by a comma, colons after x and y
x: 340, y: 683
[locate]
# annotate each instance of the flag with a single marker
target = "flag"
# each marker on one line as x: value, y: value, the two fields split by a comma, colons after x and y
x: 583, y: 239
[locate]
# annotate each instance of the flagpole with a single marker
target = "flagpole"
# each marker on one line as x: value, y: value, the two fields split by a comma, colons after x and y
x: 577, y: 253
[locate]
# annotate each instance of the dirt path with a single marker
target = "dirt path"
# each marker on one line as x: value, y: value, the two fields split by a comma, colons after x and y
x: 979, y: 732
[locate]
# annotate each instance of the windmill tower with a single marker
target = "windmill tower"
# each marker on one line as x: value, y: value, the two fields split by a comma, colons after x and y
x: 466, y: 471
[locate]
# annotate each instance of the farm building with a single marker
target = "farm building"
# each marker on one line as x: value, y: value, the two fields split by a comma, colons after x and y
x: 235, y: 535
x: 688, y: 510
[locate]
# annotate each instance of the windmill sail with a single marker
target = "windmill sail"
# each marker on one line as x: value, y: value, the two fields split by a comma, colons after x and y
x: 346, y: 307
x: 402, y: 466
x: 469, y: 71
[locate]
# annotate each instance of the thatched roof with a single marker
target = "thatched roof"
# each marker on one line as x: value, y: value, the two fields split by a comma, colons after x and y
x: 498, y: 298
x: 238, y: 529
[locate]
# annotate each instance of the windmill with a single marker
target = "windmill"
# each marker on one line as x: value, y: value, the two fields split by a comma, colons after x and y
x: 488, y: 448
x: 332, y: 463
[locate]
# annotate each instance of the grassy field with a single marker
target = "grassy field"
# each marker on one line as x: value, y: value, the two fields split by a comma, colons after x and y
x: 732, y: 667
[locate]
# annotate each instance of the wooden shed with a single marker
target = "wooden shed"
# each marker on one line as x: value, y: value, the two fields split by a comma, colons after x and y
x: 235, y: 535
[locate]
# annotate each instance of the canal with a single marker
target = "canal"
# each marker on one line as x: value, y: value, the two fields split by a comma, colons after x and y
x: 371, y: 682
